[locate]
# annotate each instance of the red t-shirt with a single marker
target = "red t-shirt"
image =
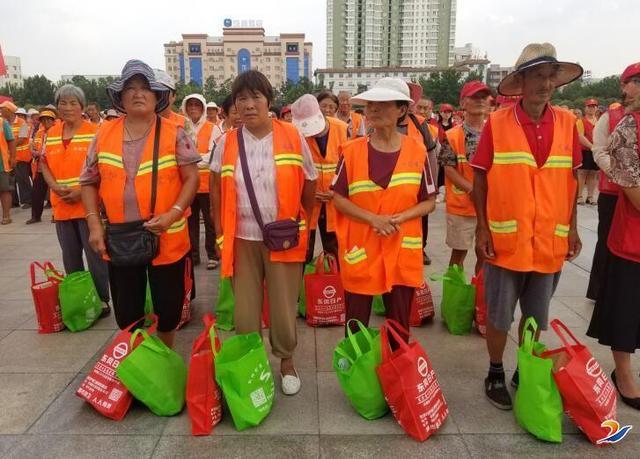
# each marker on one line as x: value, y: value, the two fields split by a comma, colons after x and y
x: 539, y: 135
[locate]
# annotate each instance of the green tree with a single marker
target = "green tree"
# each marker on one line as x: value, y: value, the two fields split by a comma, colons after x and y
x: 183, y: 90
x: 443, y: 86
x: 14, y: 91
x: 289, y: 91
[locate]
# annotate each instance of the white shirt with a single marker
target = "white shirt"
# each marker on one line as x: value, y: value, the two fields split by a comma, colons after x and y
x: 600, y: 140
x: 262, y: 169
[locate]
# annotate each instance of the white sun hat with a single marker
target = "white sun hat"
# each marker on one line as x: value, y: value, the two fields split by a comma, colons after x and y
x: 386, y: 89
x: 212, y: 105
x: 307, y: 116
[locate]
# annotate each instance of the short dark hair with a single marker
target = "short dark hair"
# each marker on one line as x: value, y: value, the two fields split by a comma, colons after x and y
x: 226, y: 104
x: 95, y: 104
x: 253, y: 81
x: 328, y: 95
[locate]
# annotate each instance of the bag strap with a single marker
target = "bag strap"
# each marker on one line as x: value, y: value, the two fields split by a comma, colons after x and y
x: 138, y: 332
x: 560, y: 329
x: 391, y: 326
x: 426, y: 134
x: 202, y: 341
x: 32, y: 268
x: 351, y: 336
x: 212, y: 337
x: 187, y: 270
x: 247, y: 179
x: 154, y: 172
x: 528, y: 334
x: 152, y: 328
x: 52, y: 273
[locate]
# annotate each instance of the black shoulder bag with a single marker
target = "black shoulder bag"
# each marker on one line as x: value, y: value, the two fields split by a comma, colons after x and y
x: 279, y: 235
x: 130, y: 243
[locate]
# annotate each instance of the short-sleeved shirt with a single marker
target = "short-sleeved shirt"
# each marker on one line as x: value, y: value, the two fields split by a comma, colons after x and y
x: 448, y: 157
x: 381, y: 165
x: 539, y: 136
x: 186, y: 153
x: 263, y: 178
x: 8, y: 133
x: 623, y: 150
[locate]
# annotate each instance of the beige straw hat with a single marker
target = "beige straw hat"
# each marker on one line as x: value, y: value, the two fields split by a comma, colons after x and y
x: 537, y: 54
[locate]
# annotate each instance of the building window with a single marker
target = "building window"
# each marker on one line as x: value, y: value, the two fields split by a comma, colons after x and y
x: 194, y: 48
x: 292, y: 47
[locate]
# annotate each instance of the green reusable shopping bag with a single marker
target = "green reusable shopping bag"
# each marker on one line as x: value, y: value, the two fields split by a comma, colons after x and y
x: 309, y: 268
x: 458, y: 300
x: 538, y: 405
x: 154, y: 374
x: 355, y: 360
x: 225, y: 305
x: 244, y: 374
x: 79, y: 301
x: 378, y: 306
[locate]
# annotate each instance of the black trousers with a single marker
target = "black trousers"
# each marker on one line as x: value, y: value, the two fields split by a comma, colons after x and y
x: 329, y: 239
x: 38, y: 196
x: 606, y: 208
x: 23, y: 181
x: 129, y: 287
x: 201, y: 206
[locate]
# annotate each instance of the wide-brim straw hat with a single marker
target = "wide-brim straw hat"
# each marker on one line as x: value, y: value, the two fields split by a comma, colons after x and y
x: 535, y: 54
x: 132, y: 68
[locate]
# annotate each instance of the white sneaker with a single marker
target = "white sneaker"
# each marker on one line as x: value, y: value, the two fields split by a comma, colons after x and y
x: 290, y: 384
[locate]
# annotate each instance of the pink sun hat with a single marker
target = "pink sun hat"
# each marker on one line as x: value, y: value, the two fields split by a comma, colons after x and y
x: 307, y: 116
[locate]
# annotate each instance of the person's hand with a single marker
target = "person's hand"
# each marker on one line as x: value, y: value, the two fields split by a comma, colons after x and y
x: 575, y: 245
x: 96, y: 238
x: 398, y: 219
x: 324, y: 196
x: 484, y: 243
x: 72, y: 196
x: 382, y: 225
x: 161, y: 223
x: 61, y: 190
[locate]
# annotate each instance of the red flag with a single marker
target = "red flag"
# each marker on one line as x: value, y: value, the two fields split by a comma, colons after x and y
x: 3, y: 68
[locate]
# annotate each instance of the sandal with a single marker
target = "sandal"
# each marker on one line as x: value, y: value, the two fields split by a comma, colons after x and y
x: 6, y: 221
x: 212, y: 264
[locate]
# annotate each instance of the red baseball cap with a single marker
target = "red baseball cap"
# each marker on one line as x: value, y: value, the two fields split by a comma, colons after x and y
x: 629, y: 72
x: 473, y: 87
x: 446, y: 108
x: 591, y: 102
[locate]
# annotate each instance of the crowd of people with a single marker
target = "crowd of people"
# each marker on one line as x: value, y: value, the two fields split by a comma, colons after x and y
x: 130, y: 187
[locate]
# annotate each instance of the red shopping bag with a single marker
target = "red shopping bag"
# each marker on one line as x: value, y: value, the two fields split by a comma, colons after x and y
x: 588, y: 396
x: 101, y: 388
x: 422, y: 307
x: 203, y: 395
x: 410, y: 384
x: 325, y: 294
x: 481, y: 307
x: 45, y: 298
x: 185, y: 316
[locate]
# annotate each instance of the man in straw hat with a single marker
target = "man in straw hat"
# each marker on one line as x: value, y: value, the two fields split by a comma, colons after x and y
x: 525, y: 199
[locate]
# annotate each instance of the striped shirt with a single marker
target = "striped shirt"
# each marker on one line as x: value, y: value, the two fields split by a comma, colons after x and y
x: 263, y: 176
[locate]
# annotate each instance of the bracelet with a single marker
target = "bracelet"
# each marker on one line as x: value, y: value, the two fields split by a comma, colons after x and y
x: 178, y: 208
x: 86, y: 217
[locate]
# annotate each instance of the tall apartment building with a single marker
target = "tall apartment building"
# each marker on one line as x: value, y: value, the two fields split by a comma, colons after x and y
x: 14, y: 71
x: 242, y: 46
x: 390, y: 33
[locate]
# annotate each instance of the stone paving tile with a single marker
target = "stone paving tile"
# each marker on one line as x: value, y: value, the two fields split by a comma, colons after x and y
x: 24, y: 397
x: 264, y: 446
x: 296, y: 415
x: 15, y: 313
x: 71, y: 415
x: 83, y: 446
x: 7, y: 442
x: 526, y: 446
x: 367, y: 446
x: 337, y: 416
x: 24, y: 351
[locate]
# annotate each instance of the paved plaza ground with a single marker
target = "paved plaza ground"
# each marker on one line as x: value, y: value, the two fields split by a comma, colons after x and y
x: 41, y: 417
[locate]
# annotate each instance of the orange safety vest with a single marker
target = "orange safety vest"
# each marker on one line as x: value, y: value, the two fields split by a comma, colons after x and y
x: 326, y: 168
x: 177, y: 118
x: 458, y: 201
x: 4, y: 148
x: 372, y: 264
x: 356, y: 122
x: 529, y: 208
x: 287, y: 154
x: 22, y: 150
x: 174, y: 242
x: 202, y: 145
x: 66, y: 164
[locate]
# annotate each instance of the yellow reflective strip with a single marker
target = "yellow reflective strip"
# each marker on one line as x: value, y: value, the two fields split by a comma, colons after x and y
x: 509, y: 226
x: 362, y: 186
x: 22, y: 147
x: 69, y: 182
x: 517, y: 157
x: 288, y: 159
x: 462, y: 159
x: 405, y: 178
x: 163, y: 163
x: 355, y: 257
x: 562, y: 230
x: 559, y: 162
x: 325, y: 167
x: 104, y: 154
x: 410, y: 242
x: 51, y: 142
x: 227, y: 174
x: 457, y: 190
x: 110, y: 161
x: 177, y: 226
x: 302, y: 224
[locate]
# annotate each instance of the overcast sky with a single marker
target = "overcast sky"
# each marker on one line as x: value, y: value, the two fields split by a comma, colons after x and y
x: 56, y: 37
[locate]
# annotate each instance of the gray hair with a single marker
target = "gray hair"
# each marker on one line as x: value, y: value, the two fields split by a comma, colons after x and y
x: 70, y: 90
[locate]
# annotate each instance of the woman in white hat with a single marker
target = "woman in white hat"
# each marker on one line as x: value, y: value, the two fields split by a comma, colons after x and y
x: 380, y: 195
